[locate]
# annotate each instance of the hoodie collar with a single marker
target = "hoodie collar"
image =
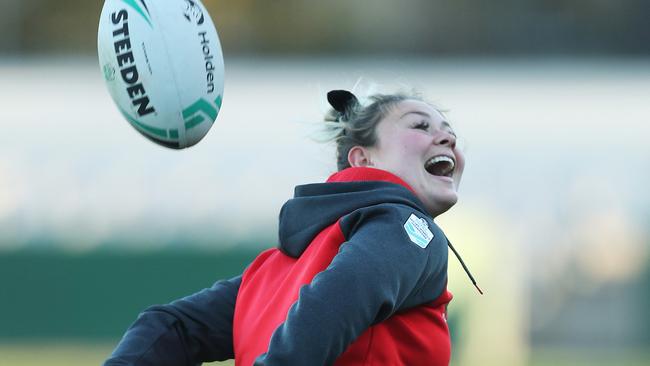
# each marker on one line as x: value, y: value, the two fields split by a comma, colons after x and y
x: 317, y: 206
x: 364, y: 174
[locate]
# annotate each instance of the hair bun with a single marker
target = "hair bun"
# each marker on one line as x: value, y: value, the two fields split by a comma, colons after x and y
x: 342, y: 100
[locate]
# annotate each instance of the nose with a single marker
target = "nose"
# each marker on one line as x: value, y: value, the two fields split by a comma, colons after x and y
x: 445, y: 138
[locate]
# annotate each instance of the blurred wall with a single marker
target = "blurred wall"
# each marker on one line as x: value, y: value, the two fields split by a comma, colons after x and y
x: 423, y: 27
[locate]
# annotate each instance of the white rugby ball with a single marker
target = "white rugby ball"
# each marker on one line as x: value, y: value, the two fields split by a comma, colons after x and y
x: 163, y: 65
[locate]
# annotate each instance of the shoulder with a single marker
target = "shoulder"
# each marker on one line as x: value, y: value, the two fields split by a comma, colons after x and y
x: 395, y: 229
x: 387, y: 217
x: 399, y: 242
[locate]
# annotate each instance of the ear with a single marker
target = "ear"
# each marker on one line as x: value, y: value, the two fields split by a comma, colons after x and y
x: 359, y: 156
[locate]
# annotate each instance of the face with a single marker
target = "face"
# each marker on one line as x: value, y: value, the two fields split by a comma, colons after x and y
x: 416, y: 143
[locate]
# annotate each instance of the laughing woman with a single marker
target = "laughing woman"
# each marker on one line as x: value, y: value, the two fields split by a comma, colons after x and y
x: 360, y: 273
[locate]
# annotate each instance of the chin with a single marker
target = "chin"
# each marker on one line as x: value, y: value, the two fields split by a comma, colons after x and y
x: 441, y: 205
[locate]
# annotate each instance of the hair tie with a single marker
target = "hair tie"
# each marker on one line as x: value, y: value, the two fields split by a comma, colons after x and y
x: 342, y: 100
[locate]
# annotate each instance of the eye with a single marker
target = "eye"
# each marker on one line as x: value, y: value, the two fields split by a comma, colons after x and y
x: 422, y: 125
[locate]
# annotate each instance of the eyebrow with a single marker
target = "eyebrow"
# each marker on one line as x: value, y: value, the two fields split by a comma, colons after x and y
x: 425, y: 114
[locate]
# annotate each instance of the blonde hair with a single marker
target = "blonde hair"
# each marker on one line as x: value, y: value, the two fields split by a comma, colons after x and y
x: 357, y: 124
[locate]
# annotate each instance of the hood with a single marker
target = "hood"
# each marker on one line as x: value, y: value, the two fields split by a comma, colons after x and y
x: 317, y: 206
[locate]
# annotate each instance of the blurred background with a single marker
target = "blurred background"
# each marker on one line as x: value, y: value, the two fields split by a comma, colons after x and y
x: 551, y: 99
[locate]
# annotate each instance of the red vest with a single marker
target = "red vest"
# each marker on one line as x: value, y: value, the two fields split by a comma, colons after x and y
x: 270, y: 285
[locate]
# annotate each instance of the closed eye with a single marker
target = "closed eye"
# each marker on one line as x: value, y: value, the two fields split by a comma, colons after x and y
x: 422, y: 125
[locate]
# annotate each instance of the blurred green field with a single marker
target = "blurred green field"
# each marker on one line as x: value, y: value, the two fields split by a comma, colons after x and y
x: 60, y: 354
x: 68, y: 354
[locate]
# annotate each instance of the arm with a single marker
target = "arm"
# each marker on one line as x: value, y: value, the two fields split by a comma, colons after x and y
x: 377, y: 272
x: 188, y: 331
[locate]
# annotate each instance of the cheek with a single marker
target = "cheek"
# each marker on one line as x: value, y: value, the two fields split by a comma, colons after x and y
x: 399, y: 151
x: 402, y: 152
x: 460, y: 162
x: 414, y: 145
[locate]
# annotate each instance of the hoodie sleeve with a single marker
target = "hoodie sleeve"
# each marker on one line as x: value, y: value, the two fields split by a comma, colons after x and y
x: 379, y: 270
x: 188, y: 331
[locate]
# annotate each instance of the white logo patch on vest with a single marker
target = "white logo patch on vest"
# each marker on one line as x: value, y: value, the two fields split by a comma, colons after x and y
x: 418, y: 231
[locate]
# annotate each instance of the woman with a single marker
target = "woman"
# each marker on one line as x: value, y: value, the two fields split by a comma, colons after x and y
x: 360, y: 274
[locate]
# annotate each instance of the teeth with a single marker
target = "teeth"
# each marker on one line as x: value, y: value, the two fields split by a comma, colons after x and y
x: 441, y: 158
x: 440, y: 165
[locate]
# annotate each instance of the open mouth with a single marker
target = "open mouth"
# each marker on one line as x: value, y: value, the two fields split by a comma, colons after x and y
x: 440, y: 166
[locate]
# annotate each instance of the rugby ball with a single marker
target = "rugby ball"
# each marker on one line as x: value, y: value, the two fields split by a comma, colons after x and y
x: 163, y: 66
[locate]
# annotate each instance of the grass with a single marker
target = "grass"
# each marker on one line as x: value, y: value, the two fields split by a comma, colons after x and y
x: 60, y: 354
x: 53, y: 354
x: 78, y: 354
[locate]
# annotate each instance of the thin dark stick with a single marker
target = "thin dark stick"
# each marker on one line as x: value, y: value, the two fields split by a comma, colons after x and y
x: 464, y: 267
